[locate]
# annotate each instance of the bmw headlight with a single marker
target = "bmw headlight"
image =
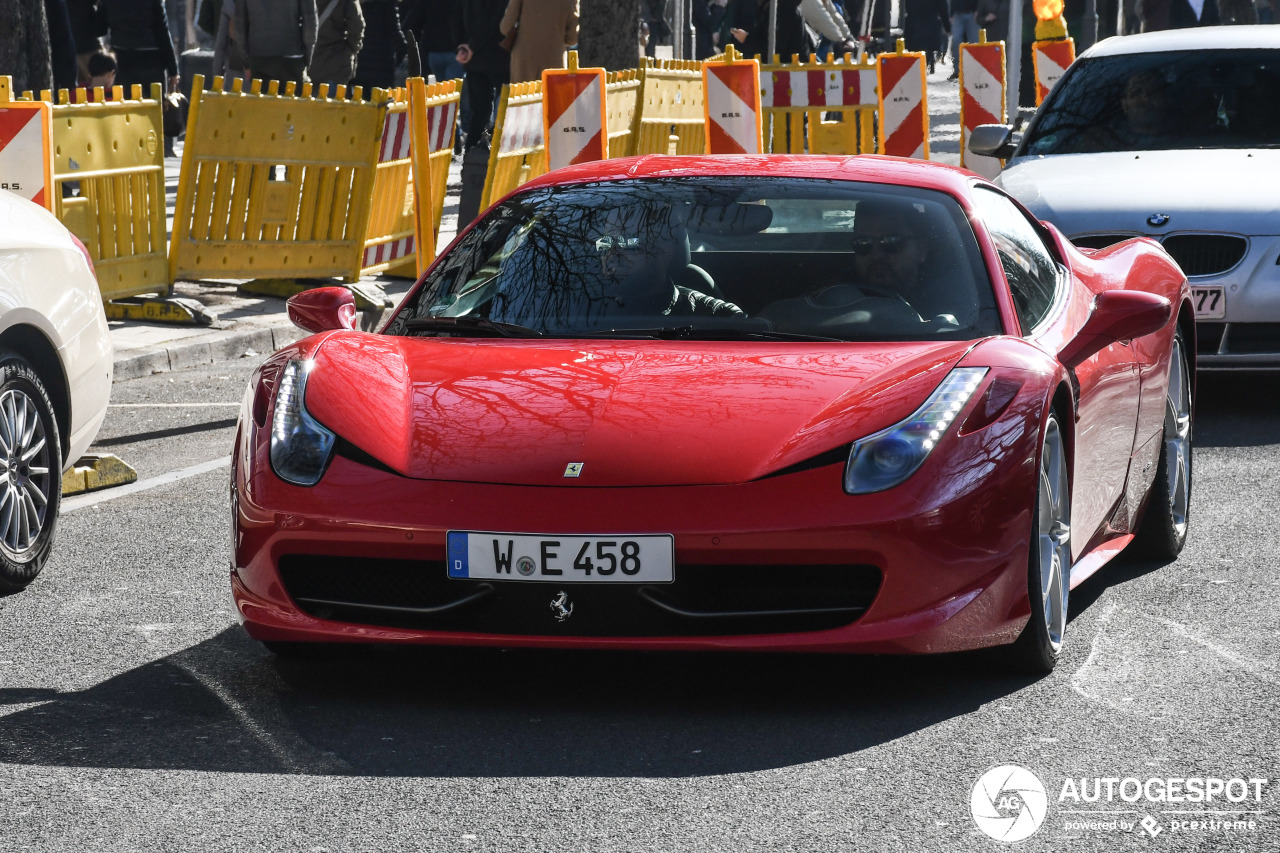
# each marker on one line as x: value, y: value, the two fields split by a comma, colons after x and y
x: 300, y: 446
x: 889, y: 457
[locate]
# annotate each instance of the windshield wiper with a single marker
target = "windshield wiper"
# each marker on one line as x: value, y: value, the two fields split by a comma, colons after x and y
x: 470, y: 324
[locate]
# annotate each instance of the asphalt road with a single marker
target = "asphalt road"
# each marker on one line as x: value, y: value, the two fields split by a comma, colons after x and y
x: 136, y: 715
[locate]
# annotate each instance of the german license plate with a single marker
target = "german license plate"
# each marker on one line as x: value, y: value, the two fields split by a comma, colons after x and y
x: 620, y: 558
x: 1210, y: 302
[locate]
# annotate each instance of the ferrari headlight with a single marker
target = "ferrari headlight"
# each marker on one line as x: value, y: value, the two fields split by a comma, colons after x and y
x: 889, y: 457
x: 300, y: 446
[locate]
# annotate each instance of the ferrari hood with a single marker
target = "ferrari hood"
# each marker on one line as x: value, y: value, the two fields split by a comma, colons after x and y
x: 629, y: 413
x: 1219, y: 190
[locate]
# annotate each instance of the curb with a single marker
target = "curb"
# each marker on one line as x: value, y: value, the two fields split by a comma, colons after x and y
x: 205, y: 349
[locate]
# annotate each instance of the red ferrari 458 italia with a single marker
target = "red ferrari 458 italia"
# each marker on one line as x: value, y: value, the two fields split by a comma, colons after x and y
x: 762, y: 403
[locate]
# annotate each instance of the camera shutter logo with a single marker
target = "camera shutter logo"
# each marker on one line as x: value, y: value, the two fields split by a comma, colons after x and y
x: 1008, y: 803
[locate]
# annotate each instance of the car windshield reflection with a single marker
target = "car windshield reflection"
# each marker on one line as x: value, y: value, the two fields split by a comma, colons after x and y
x: 1164, y: 100
x: 713, y: 259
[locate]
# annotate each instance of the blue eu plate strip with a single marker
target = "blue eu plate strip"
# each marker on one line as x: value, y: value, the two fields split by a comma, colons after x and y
x: 457, y: 555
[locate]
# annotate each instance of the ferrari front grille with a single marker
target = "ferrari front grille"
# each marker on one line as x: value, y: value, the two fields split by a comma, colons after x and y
x: 1206, y: 254
x: 703, y: 601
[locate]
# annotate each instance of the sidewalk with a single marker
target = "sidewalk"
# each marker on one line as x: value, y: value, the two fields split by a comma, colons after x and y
x: 251, y: 327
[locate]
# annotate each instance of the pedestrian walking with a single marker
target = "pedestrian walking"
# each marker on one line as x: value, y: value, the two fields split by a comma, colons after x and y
x: 488, y: 67
x: 737, y: 27
x: 140, y: 39
x: 229, y: 57
x: 653, y: 14
x: 706, y: 22
x: 278, y: 36
x: 964, y: 30
x: 543, y: 30
x: 88, y: 26
x: 435, y: 25
x: 384, y: 46
x: 926, y: 27
x: 993, y: 16
x: 826, y: 18
x: 339, y: 34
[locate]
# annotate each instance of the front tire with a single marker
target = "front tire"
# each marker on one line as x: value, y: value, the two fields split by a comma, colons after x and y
x: 1163, y: 533
x: 1039, y: 646
x: 30, y: 473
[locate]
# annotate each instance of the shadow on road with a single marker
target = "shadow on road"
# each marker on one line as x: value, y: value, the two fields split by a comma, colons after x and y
x: 1237, y: 409
x: 227, y: 705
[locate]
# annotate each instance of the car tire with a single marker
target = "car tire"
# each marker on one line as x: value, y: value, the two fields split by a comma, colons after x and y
x: 1039, y: 646
x: 30, y: 473
x: 1163, y: 532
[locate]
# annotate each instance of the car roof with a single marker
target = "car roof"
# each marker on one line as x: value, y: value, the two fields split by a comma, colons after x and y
x: 870, y: 168
x: 1193, y: 38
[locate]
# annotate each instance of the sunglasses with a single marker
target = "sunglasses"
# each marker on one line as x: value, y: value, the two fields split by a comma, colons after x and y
x: 890, y: 244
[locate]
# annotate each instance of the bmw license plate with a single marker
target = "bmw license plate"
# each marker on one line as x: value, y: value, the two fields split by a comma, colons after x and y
x: 1210, y: 302
x: 620, y: 558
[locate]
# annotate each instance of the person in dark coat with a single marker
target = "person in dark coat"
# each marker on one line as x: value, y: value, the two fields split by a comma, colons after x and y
x: 139, y: 33
x: 488, y: 67
x: 62, y: 45
x: 707, y: 15
x: 384, y: 46
x: 24, y: 45
x: 87, y: 29
x: 923, y: 29
x: 993, y: 16
x: 339, y: 34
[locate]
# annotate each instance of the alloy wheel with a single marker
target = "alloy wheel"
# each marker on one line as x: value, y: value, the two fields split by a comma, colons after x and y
x: 1054, y: 535
x: 25, y: 479
x: 1177, y: 438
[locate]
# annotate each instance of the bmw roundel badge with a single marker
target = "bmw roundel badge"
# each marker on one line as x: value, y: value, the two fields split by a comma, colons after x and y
x: 1158, y: 220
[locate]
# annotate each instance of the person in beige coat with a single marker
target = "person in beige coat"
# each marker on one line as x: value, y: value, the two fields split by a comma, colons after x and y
x: 546, y: 28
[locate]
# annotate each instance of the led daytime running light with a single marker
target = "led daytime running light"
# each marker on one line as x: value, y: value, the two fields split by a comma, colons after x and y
x: 889, y: 457
x: 300, y: 445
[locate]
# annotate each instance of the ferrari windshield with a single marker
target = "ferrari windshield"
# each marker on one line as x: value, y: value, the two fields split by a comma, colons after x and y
x: 1154, y: 101
x: 718, y: 258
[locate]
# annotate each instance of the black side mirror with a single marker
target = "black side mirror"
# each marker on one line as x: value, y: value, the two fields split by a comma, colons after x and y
x: 993, y: 140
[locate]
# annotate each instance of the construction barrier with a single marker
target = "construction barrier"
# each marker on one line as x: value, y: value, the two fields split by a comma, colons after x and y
x: 107, y: 163
x: 440, y: 106
x: 982, y: 98
x: 672, y: 118
x: 396, y: 232
x: 904, y: 113
x: 1050, y: 59
x: 26, y: 128
x: 731, y: 97
x: 801, y: 94
x: 516, y: 154
x: 231, y: 220
x: 574, y: 115
x: 621, y: 106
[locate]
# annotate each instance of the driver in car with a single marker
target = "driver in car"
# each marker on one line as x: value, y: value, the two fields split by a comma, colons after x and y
x: 890, y: 247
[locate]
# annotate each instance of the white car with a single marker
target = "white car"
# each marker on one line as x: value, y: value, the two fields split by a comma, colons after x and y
x: 55, y: 377
x: 1172, y: 135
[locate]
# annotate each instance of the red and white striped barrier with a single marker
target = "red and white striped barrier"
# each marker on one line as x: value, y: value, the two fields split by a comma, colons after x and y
x: 26, y: 164
x: 397, y: 145
x: 441, y: 121
x: 1051, y: 59
x: 522, y: 129
x: 574, y: 114
x: 854, y: 87
x: 904, y: 114
x: 982, y: 99
x: 732, y: 105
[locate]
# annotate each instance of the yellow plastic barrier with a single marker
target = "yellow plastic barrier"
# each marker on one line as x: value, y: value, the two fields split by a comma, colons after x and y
x: 232, y: 221
x: 516, y: 155
x: 392, y: 240
x: 798, y: 96
x: 621, y: 101
x: 670, y: 105
x: 108, y: 185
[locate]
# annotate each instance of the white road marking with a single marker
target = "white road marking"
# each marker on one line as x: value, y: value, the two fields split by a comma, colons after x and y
x: 170, y: 405
x: 283, y: 755
x: 1080, y: 679
x: 91, y: 498
x: 1252, y: 667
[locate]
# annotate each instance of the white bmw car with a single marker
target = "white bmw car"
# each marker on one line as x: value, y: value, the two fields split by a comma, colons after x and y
x: 1172, y: 135
x: 55, y: 377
